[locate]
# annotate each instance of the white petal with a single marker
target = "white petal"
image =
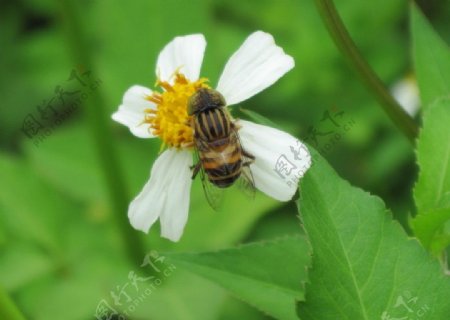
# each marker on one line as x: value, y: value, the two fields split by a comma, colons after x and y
x: 281, y: 160
x: 131, y: 111
x: 175, y: 214
x: 256, y: 65
x: 184, y: 53
x: 146, y: 208
x: 165, y: 195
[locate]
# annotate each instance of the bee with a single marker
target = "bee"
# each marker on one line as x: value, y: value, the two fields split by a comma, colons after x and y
x: 222, y: 159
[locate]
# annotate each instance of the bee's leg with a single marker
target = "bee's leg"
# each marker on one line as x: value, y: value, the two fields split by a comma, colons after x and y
x: 250, y: 158
x: 188, y: 145
x: 248, y: 155
x: 247, y: 163
x: 195, y: 169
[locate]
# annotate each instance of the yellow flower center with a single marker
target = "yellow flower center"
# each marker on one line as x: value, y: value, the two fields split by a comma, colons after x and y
x: 170, y: 120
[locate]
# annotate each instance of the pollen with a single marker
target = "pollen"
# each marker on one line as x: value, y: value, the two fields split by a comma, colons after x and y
x: 170, y: 120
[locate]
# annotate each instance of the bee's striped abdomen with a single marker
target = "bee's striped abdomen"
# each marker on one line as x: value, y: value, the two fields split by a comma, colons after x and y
x: 212, y: 124
x: 221, y: 160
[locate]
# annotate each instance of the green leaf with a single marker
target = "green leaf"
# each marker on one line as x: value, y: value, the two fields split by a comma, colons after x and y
x: 364, y: 264
x: 233, y: 308
x: 433, y: 155
x: 431, y: 59
x: 428, y: 227
x: 267, y: 275
x: 279, y: 223
x: 432, y: 191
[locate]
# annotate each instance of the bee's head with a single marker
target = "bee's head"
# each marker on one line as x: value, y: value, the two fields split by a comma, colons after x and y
x: 205, y: 99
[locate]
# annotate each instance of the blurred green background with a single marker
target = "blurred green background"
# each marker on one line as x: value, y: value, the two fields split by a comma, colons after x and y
x: 61, y: 251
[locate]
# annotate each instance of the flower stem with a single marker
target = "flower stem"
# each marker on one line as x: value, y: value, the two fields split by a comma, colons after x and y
x: 101, y: 133
x: 8, y: 309
x: 348, y: 48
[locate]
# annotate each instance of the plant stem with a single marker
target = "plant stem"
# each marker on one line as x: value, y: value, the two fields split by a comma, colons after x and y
x: 348, y: 48
x: 8, y: 309
x: 101, y: 132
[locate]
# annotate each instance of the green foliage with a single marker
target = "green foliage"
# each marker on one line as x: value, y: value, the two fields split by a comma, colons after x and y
x: 35, y: 210
x: 363, y: 263
x: 227, y: 226
x: 8, y: 309
x: 67, y: 166
x: 252, y: 272
x: 429, y: 228
x: 433, y: 153
x: 183, y: 297
x: 431, y: 59
x: 60, y: 250
x: 22, y: 264
x: 432, y: 191
x: 44, y: 260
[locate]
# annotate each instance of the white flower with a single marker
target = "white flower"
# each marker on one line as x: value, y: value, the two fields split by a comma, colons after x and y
x: 406, y: 92
x: 280, y: 158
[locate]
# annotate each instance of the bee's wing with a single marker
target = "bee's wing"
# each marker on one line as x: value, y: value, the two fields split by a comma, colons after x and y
x: 246, y: 182
x: 213, y: 194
